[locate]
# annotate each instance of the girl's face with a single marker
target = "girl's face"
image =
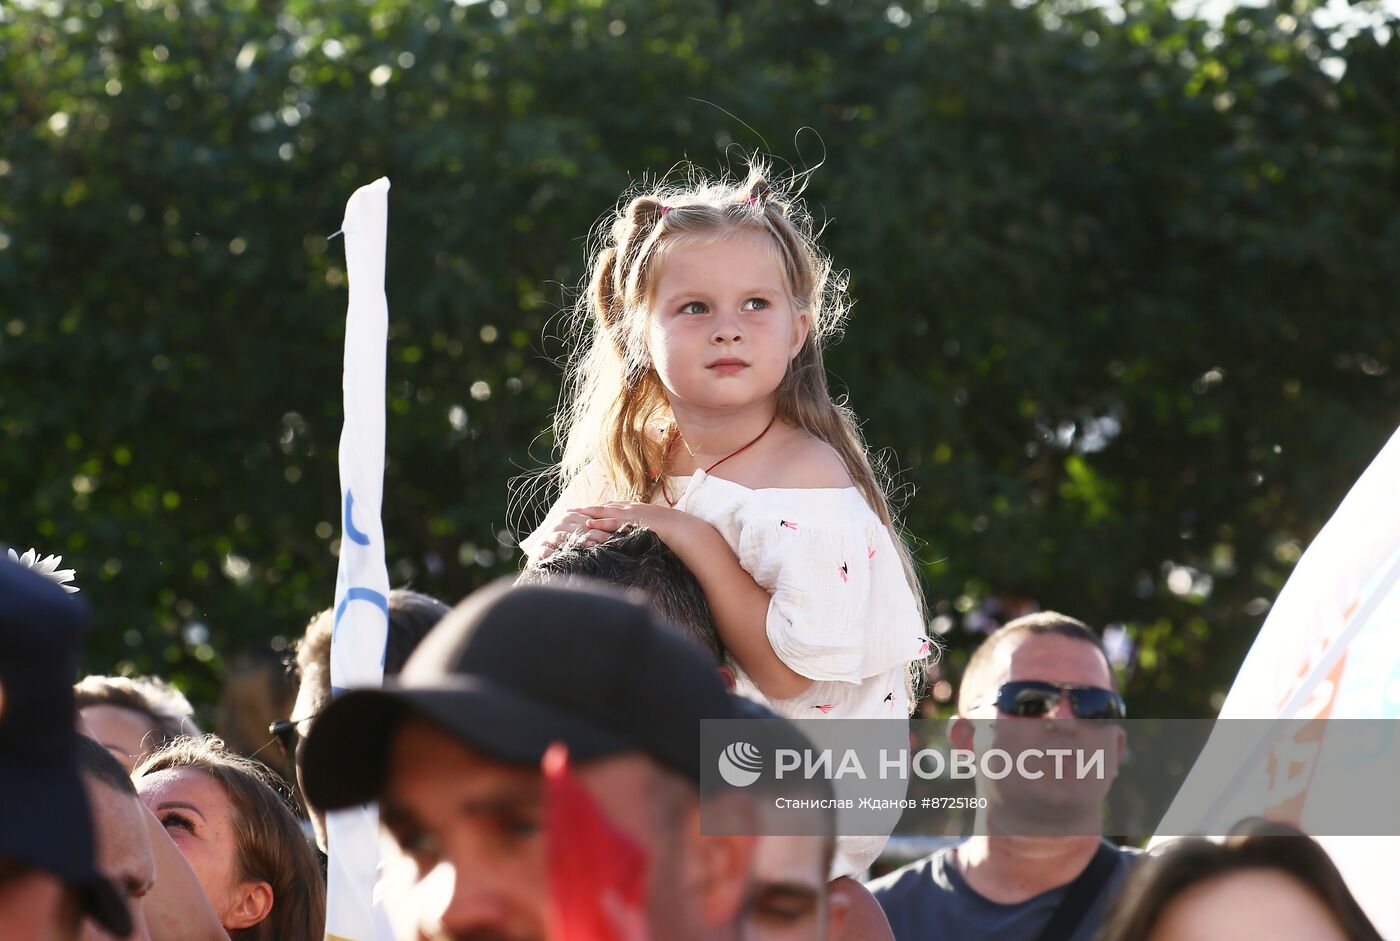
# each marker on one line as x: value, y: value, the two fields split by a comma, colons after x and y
x: 201, y: 821
x: 723, y: 327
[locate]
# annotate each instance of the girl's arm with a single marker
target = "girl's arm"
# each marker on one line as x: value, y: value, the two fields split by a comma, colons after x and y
x: 738, y: 603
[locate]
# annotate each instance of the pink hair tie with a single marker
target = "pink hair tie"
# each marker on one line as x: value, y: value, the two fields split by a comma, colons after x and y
x: 665, y: 209
x: 750, y: 199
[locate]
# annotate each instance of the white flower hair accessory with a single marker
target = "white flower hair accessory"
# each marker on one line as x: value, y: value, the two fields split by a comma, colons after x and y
x: 47, y: 567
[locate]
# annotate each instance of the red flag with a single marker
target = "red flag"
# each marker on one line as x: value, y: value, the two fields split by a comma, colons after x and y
x: 597, y: 873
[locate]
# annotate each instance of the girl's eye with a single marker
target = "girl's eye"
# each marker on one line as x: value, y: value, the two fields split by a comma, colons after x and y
x: 756, y: 303
x: 694, y: 307
x: 173, y: 821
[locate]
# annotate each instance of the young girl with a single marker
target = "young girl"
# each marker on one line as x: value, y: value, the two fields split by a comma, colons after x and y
x: 698, y: 407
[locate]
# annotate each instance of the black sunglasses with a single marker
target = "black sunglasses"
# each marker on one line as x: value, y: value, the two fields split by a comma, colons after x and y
x: 1035, y: 699
x: 287, y: 734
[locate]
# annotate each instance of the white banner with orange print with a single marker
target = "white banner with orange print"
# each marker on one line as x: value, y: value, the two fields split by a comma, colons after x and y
x: 1329, y: 650
x: 362, y: 581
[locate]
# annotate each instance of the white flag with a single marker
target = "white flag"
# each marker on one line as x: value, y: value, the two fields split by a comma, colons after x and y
x: 362, y: 581
x: 1330, y: 649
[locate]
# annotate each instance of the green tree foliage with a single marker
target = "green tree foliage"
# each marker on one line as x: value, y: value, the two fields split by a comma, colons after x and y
x: 1126, y: 286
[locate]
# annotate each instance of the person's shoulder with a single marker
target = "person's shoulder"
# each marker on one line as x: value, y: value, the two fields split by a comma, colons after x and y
x: 922, y: 894
x: 1126, y: 857
x: 809, y: 463
x: 920, y: 876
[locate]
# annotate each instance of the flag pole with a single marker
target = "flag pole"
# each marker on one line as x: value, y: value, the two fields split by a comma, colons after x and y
x: 362, y: 580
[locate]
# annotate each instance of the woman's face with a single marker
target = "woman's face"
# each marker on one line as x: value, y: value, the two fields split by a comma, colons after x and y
x: 1262, y: 903
x: 201, y: 820
x: 126, y: 733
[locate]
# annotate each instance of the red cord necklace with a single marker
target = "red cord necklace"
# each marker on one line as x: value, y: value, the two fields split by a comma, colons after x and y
x: 671, y: 444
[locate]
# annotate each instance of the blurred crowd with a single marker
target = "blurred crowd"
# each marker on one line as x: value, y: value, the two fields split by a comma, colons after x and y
x: 535, y: 754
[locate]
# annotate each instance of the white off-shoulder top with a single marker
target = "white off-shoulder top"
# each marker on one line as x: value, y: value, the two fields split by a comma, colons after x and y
x: 842, y: 612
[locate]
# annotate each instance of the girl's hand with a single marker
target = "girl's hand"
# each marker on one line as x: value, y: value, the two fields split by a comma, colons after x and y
x: 555, y: 533
x: 668, y: 523
x: 738, y: 603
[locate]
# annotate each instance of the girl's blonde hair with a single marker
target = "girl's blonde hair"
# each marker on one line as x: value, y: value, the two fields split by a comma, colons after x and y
x: 613, y: 399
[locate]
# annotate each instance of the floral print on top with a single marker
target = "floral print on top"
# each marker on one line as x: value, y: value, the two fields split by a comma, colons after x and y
x: 842, y: 612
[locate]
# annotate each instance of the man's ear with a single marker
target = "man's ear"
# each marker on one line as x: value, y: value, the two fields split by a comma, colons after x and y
x: 838, y: 906
x: 252, y: 905
x: 1121, y: 741
x: 726, y: 676
x: 854, y: 914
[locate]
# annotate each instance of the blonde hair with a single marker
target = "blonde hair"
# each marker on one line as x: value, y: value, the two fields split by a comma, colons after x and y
x: 612, y: 394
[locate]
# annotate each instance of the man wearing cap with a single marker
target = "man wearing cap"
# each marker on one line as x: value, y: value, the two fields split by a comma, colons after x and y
x: 452, y: 751
x: 791, y: 897
x: 48, y: 881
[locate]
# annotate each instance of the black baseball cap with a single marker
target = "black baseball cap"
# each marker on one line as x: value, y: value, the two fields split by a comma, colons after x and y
x: 48, y: 824
x: 512, y: 670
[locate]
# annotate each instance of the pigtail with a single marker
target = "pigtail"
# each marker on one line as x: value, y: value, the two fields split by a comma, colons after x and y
x: 757, y: 191
x: 611, y: 394
x: 602, y: 289
x: 613, y: 266
x: 646, y: 225
x: 645, y: 212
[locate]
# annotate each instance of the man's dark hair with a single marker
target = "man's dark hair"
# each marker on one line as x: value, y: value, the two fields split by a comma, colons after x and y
x: 636, y: 559
x: 96, y: 762
x: 1043, y: 622
x: 411, y: 615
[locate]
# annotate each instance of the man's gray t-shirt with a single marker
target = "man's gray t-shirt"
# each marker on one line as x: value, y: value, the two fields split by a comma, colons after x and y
x: 928, y: 900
